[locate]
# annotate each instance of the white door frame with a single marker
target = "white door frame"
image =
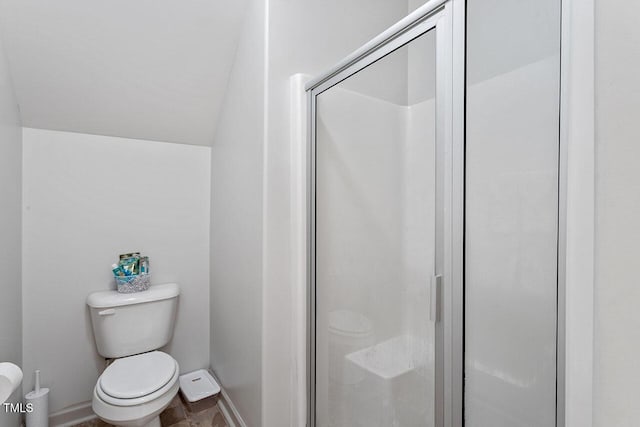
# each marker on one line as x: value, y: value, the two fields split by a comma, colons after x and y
x: 577, y: 215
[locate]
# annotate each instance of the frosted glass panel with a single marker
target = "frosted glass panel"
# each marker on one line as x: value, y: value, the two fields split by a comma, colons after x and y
x: 375, y: 243
x: 512, y: 147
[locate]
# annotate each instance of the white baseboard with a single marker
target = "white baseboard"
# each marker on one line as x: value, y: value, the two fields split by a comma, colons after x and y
x: 72, y: 415
x: 227, y: 408
x: 228, y: 416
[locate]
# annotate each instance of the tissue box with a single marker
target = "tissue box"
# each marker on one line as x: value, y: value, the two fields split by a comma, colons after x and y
x: 135, y: 283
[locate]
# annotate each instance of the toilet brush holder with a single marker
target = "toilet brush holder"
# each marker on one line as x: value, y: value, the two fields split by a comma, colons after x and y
x: 37, y: 405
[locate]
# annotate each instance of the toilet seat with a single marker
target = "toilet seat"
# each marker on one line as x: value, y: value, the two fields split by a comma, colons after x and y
x: 137, y: 379
x: 135, y: 415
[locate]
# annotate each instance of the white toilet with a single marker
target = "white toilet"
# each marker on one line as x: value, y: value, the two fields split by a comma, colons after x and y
x: 142, y: 381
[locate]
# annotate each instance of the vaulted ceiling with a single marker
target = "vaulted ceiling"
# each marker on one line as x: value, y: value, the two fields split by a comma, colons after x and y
x: 148, y: 69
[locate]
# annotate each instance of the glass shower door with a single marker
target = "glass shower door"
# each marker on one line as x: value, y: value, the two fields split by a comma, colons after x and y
x: 379, y: 241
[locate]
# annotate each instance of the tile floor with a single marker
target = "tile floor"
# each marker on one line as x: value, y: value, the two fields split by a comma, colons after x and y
x: 180, y: 414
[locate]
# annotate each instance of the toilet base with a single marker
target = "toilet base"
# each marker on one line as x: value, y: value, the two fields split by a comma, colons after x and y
x: 154, y: 422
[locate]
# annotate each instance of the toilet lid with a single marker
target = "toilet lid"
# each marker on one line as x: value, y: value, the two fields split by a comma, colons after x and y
x: 137, y: 376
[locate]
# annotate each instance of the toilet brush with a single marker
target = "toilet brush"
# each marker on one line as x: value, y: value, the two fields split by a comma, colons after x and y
x: 37, y: 405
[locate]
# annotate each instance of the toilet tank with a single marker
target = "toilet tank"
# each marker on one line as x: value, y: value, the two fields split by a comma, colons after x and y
x: 128, y: 324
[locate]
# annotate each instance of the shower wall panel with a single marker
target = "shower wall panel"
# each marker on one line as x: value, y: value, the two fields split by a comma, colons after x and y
x: 511, y: 234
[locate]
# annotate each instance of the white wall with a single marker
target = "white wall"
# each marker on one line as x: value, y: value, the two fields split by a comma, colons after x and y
x: 10, y: 230
x: 236, y: 225
x: 617, y: 294
x: 86, y: 199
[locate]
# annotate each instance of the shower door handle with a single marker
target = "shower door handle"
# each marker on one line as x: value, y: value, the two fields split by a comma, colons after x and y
x: 436, y: 293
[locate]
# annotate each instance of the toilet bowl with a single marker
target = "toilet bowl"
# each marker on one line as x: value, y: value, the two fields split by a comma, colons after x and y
x: 130, y: 328
x: 134, y: 390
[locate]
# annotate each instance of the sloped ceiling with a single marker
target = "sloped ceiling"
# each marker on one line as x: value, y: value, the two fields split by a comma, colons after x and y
x: 148, y: 69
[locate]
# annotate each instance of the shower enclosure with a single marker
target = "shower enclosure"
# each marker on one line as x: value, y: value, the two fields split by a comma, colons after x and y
x: 433, y: 250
